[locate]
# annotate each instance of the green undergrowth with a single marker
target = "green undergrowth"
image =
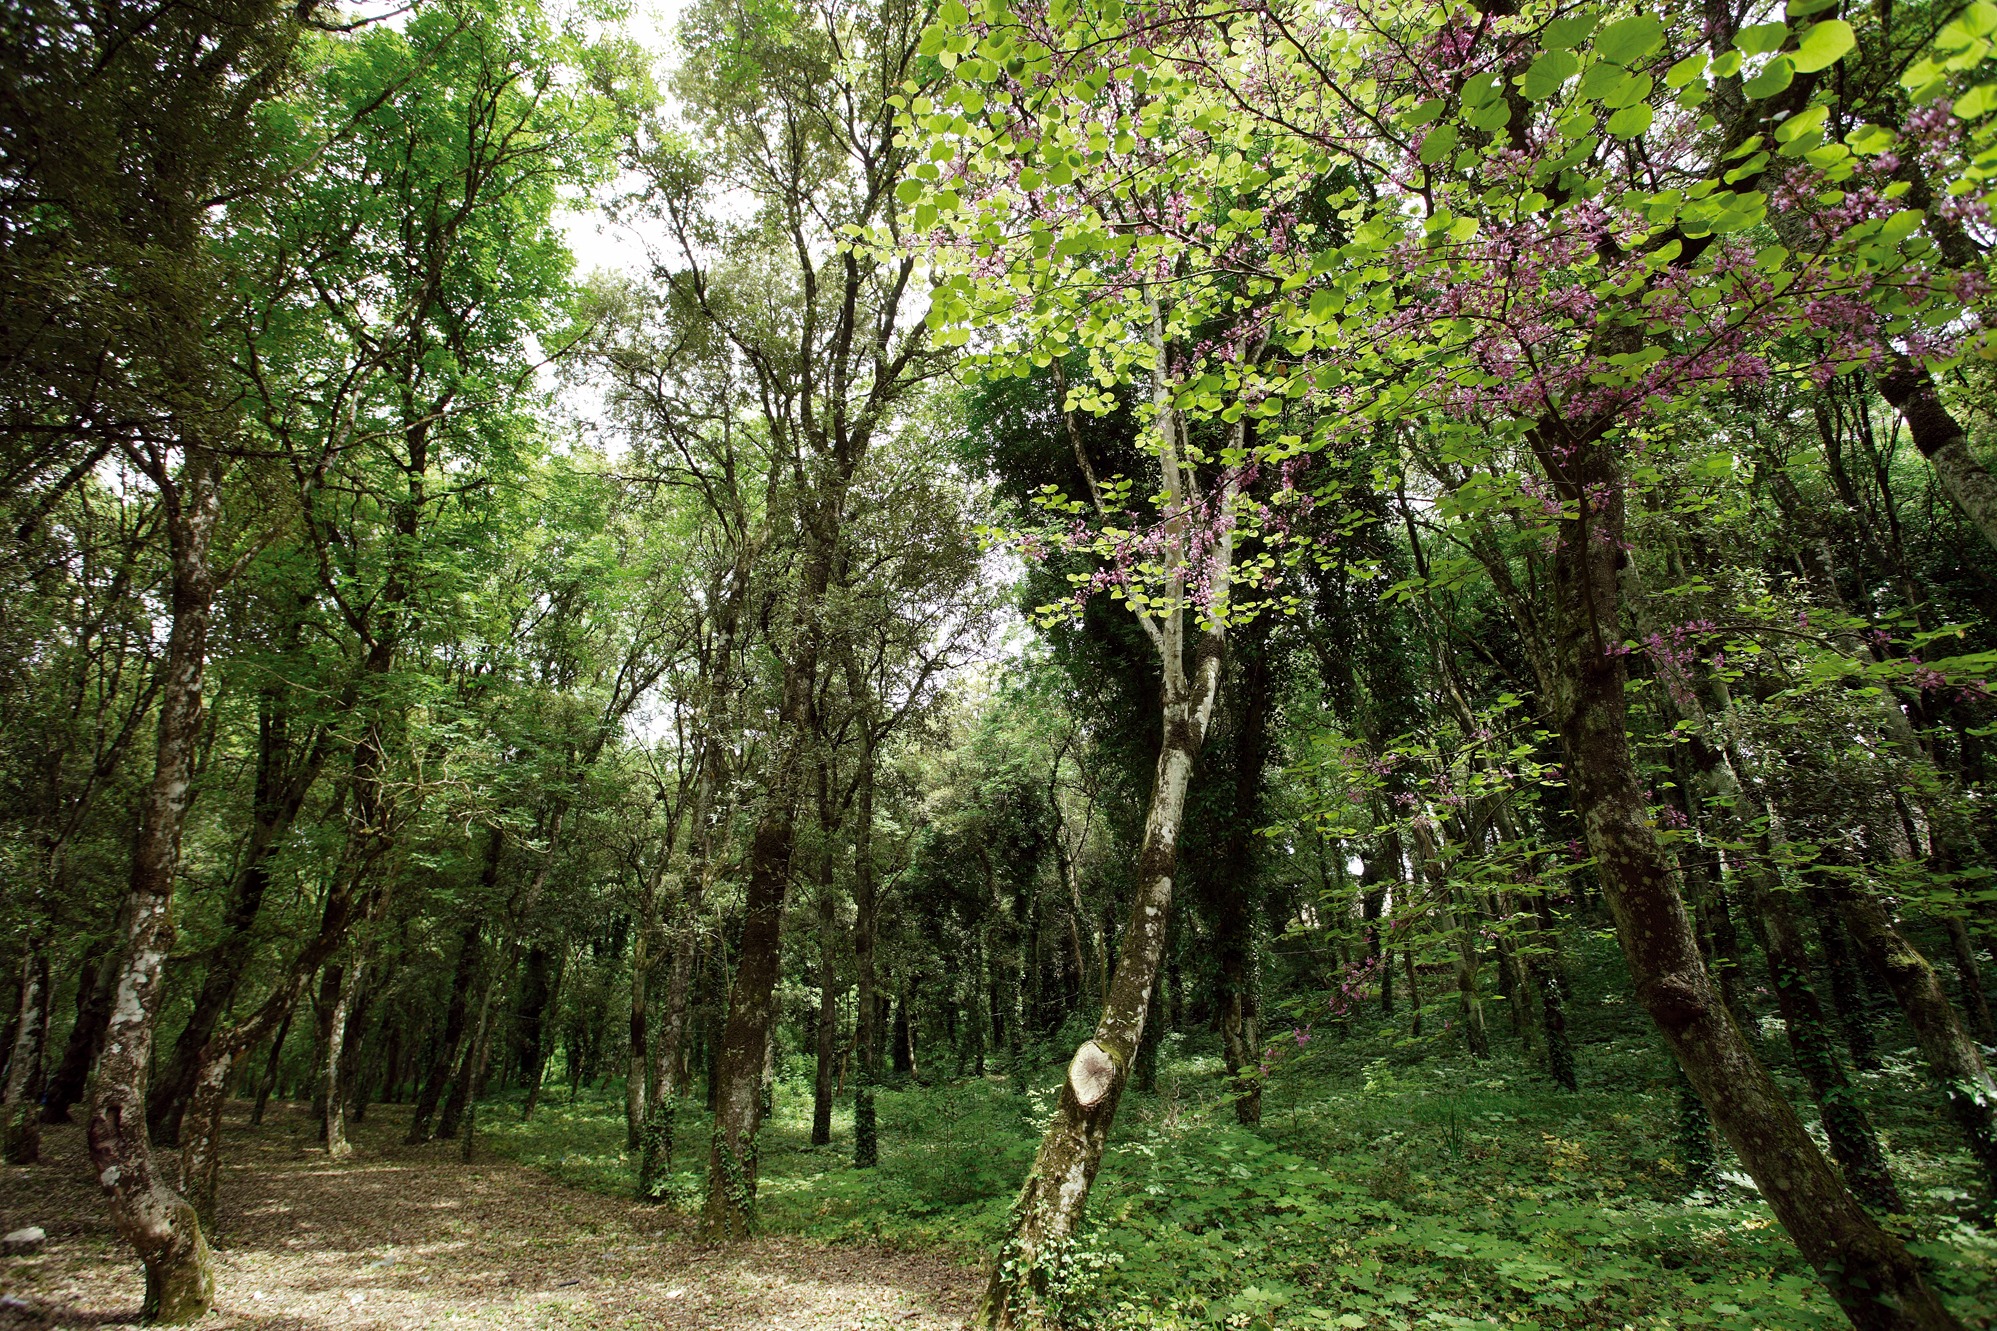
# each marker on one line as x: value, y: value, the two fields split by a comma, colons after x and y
x: 1390, y: 1184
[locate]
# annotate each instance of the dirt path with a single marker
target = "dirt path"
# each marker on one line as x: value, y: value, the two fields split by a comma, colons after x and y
x: 410, y: 1237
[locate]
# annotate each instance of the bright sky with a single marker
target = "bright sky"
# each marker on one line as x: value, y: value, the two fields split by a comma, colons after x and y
x: 653, y: 24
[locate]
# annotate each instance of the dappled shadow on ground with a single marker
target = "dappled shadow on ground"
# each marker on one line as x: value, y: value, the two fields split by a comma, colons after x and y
x: 412, y: 1237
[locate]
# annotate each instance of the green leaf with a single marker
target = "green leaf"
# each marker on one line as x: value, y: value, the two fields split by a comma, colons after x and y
x: 1423, y: 112
x: 1439, y: 142
x: 1778, y: 75
x: 1761, y: 38
x: 1823, y: 45
x: 908, y: 191
x: 1630, y: 121
x: 1628, y: 40
x: 1977, y: 102
x: 1686, y: 70
x: 1801, y: 123
x: 1548, y: 72
x: 1629, y: 90
x: 1564, y: 34
x: 1900, y: 225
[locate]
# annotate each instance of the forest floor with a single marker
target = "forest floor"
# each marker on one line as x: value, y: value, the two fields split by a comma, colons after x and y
x: 400, y: 1236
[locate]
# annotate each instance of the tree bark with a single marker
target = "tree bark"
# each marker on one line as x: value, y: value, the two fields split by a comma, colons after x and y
x: 866, y: 1127
x: 1050, y: 1205
x: 279, y: 794
x: 1235, y: 888
x: 1954, y: 1061
x: 638, y: 1067
x: 1969, y: 975
x: 1868, y: 1271
x: 1942, y: 441
x: 95, y: 982
x: 159, y: 1223
x: 27, y: 1062
x: 828, y: 1006
x: 455, y: 1011
x: 332, y: 1082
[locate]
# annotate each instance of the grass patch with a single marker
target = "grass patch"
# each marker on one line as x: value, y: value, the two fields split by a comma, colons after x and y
x: 1389, y: 1185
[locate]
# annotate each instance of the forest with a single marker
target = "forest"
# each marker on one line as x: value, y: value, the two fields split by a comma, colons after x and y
x: 1110, y: 663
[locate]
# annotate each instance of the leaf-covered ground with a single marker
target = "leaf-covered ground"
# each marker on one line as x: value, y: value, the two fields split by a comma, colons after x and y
x: 412, y: 1237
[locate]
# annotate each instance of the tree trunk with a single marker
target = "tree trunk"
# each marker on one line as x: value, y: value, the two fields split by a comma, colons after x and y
x: 1050, y: 1205
x: 269, y: 1081
x: 828, y: 1006
x: 278, y: 796
x: 1954, y: 1061
x: 27, y: 1061
x: 1870, y: 1272
x: 95, y: 982
x: 201, y: 1127
x: 638, y: 1067
x: 1548, y: 976
x: 454, y: 1025
x: 731, y: 1165
x: 1969, y: 976
x: 159, y: 1224
x: 333, y: 1078
x: 1942, y: 441
x: 866, y: 1142
x: 537, y: 999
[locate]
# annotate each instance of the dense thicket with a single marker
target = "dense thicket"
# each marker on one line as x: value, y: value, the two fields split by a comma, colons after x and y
x: 1073, y: 524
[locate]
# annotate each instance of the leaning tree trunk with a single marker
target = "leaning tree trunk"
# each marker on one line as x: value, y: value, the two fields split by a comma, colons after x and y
x: 279, y: 795
x: 1954, y: 1061
x: 1050, y: 1205
x: 1942, y: 441
x: 1870, y: 1273
x: 201, y: 1126
x: 157, y: 1221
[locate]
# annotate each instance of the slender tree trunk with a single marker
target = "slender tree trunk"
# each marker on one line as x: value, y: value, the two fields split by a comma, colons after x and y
x: 269, y: 1081
x: 454, y: 1024
x: 1969, y: 975
x: 27, y: 1061
x: 638, y: 1067
x: 1548, y: 975
x: 1414, y: 990
x: 1050, y: 1206
x: 1954, y: 1061
x: 95, y: 983
x: 1869, y: 1271
x: 159, y: 1223
x: 866, y: 1142
x: 1853, y: 1141
x: 335, y: 1075
x: 538, y: 999
x: 828, y: 1006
